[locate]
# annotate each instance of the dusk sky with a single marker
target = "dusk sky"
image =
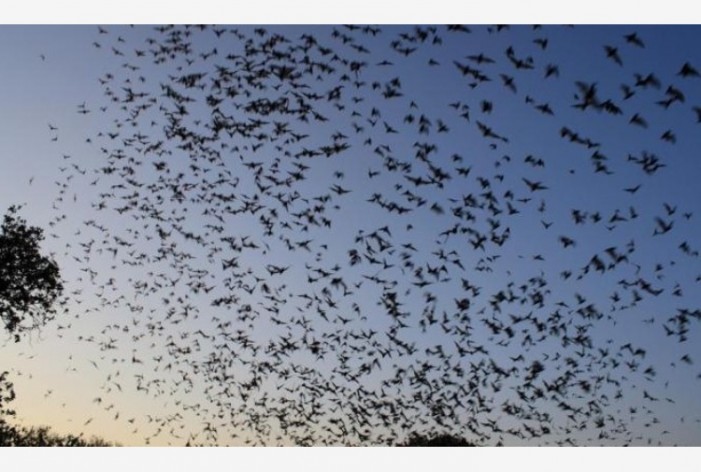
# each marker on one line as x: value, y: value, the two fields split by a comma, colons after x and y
x: 333, y: 235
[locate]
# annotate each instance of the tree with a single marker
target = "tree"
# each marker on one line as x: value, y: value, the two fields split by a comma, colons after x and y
x: 440, y: 440
x: 7, y: 394
x: 43, y: 436
x: 30, y: 283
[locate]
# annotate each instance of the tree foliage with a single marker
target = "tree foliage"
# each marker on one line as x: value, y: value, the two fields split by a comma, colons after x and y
x: 30, y: 283
x: 440, y: 440
x: 43, y: 437
x: 7, y: 394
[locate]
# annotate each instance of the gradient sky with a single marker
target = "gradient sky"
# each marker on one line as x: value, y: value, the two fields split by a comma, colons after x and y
x: 99, y: 368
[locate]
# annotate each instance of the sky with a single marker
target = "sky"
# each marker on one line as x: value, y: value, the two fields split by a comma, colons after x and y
x: 220, y: 288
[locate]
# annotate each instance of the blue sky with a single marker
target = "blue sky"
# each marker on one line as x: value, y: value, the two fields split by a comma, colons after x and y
x: 109, y: 348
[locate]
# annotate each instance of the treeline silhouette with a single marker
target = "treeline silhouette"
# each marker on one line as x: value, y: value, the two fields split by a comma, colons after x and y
x: 438, y: 440
x: 42, y: 436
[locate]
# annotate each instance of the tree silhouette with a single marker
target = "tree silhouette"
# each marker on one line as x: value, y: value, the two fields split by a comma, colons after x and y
x: 7, y: 394
x: 440, y: 440
x: 43, y: 437
x: 30, y: 284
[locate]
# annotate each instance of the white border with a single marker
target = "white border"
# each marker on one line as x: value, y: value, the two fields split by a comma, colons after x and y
x: 353, y: 459
x: 350, y: 11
